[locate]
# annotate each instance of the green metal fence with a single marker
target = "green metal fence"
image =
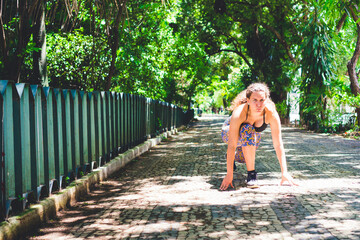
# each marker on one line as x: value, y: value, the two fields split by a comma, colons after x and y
x: 50, y: 137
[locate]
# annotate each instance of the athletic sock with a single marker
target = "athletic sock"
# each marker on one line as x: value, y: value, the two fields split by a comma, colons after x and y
x: 251, y: 175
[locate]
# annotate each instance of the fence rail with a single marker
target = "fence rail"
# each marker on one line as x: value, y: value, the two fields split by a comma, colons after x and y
x: 50, y: 137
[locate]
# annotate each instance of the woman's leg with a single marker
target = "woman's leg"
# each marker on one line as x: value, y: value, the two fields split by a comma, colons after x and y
x: 250, y: 142
x: 249, y: 155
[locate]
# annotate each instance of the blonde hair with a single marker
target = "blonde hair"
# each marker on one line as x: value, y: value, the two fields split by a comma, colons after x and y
x: 242, y: 97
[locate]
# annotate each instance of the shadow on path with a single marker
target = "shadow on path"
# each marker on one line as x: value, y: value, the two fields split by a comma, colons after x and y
x: 171, y: 192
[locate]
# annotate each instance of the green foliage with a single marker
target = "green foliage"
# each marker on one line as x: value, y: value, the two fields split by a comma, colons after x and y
x: 155, y: 61
x: 77, y: 61
x: 159, y: 122
x: 20, y: 198
x: 67, y: 180
x: 187, y: 51
x: 225, y: 82
x: 242, y: 46
x: 341, y: 93
x: 268, y: 59
x: 139, y: 59
x: 283, y: 109
x: 339, y: 116
x: 317, y: 71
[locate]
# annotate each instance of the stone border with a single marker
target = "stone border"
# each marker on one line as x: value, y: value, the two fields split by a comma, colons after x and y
x: 19, y: 226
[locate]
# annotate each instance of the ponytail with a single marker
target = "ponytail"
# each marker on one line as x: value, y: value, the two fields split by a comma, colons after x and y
x: 238, y: 100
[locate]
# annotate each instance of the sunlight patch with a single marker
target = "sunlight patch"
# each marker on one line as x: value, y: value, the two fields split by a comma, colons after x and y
x: 181, y: 209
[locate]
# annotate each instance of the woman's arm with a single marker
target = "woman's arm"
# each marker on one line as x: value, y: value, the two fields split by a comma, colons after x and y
x: 235, y: 122
x: 275, y: 125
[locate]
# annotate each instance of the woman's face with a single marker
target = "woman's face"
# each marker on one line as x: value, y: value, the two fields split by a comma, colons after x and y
x: 257, y: 101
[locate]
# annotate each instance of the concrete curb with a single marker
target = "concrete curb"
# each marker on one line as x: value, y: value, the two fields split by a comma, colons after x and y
x: 17, y: 227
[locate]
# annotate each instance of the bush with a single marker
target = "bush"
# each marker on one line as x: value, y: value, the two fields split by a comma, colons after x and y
x: 77, y: 61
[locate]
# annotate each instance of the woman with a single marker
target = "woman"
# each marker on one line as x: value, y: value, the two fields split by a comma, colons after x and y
x: 253, y: 111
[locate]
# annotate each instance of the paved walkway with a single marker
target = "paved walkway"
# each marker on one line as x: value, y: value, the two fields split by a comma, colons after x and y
x: 172, y: 192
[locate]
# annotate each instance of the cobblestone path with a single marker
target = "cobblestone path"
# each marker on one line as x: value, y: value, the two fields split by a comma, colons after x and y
x: 171, y: 192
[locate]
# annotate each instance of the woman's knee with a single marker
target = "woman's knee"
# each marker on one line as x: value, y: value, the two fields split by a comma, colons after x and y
x: 248, y: 136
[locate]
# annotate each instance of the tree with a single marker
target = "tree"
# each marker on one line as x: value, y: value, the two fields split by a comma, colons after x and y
x: 15, y: 29
x: 316, y: 67
x: 347, y: 20
x: 98, y: 19
x: 261, y: 33
x: 353, y: 74
x: 39, y: 75
x: 114, y: 14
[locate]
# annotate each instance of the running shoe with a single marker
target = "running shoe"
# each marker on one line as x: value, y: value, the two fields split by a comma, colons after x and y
x: 251, y: 180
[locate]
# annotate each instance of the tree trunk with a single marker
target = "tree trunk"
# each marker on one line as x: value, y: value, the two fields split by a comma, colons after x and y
x: 114, y: 45
x: 24, y: 38
x: 341, y: 22
x: 3, y: 40
x: 225, y: 103
x: 39, y: 75
x: 323, y: 110
x: 14, y: 60
x: 354, y: 83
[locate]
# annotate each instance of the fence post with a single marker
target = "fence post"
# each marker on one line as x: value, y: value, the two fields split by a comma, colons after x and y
x: 121, y: 121
x: 172, y: 117
x: 61, y: 137
x: 156, y: 116
x: 143, y: 118
x: 131, y: 122
x: 113, y: 124
x: 44, y: 181
x: 159, y: 117
x: 163, y: 123
x: 137, y: 120
x: 8, y: 148
x: 91, y: 130
x: 69, y: 129
x: 113, y: 141
x: 127, y: 116
x: 26, y: 160
x: 106, y: 120
x: 75, y: 132
x: 147, y: 117
x: 153, y: 117
x: 168, y: 116
x: 40, y: 142
x: 49, y: 139
x: 83, y: 137
x: 17, y: 146
x: 101, y: 129
x: 107, y: 125
x: 82, y: 128
x: 117, y: 123
x: 56, y: 133
x: 125, y: 121
x: 56, y: 139
x: 176, y: 116
x: 97, y: 125
x: 3, y: 199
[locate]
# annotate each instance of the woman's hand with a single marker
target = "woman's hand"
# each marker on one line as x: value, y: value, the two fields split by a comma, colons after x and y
x: 286, y: 177
x: 226, y: 182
